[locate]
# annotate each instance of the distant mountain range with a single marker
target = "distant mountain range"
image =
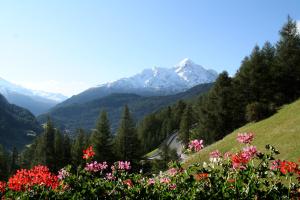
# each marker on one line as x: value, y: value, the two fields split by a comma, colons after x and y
x: 151, y: 82
x: 84, y: 115
x: 37, y: 102
x: 18, y: 126
x: 144, y: 93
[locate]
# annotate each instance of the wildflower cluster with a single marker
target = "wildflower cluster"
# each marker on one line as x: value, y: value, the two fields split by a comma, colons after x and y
x: 196, y: 145
x: 88, y: 153
x: 62, y: 174
x: 244, y: 174
x: 245, y: 138
x: 2, y: 186
x: 37, y: 176
x: 95, y: 166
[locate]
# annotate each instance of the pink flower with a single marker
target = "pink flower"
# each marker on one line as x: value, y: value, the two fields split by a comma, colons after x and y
x: 62, y: 174
x: 151, y: 181
x: 172, y: 186
x: 250, y: 150
x: 227, y: 155
x: 124, y: 165
x: 245, y: 138
x: 172, y: 171
x: 95, y: 166
x: 275, y: 165
x: 165, y: 180
x: 215, y: 154
x: 196, y: 145
x: 110, y: 176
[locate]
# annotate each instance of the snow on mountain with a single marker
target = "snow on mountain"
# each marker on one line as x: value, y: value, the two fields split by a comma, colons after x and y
x: 183, y: 76
x: 37, y: 102
x: 8, y: 87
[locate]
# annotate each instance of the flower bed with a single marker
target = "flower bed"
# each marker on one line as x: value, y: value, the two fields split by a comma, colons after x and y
x: 247, y: 174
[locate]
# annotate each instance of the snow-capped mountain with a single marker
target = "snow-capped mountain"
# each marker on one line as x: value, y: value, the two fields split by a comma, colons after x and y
x: 36, y: 101
x: 183, y: 76
x: 150, y: 82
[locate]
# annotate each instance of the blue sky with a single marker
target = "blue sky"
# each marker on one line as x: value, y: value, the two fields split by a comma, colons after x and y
x: 68, y: 46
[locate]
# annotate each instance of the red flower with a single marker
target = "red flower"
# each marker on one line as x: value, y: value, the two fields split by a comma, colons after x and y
x: 240, y: 160
x: 288, y: 167
x: 200, y: 176
x: 88, y: 153
x: 2, y: 187
x: 39, y: 175
x: 128, y: 182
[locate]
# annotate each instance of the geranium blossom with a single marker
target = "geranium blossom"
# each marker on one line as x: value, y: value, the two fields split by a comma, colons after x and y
x: 239, y: 160
x: 62, y: 174
x: 88, y: 153
x: 173, y: 171
x: 245, y: 138
x: 288, y: 167
x: 124, y: 165
x: 200, y: 176
x: 196, y: 145
x: 227, y: 155
x: 151, y: 181
x: 2, y: 186
x: 95, y: 166
x: 128, y: 182
x: 110, y: 176
x: 172, y: 186
x: 215, y: 154
x: 39, y: 175
x: 165, y: 180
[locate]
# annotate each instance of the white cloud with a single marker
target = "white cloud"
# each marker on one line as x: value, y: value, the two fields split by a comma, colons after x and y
x: 54, y: 86
x: 298, y: 26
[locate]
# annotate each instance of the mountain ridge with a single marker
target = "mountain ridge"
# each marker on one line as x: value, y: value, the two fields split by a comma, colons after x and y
x: 156, y: 81
x: 36, y: 101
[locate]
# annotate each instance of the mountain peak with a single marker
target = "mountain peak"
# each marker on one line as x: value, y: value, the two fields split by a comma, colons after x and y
x: 185, y: 62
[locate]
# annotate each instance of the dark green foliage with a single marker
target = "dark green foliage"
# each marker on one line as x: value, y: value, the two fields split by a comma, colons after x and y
x: 127, y: 145
x: 14, y: 161
x: 102, y: 139
x: 185, y: 125
x: 67, y: 156
x: 49, y: 145
x: 167, y: 155
x: 149, y: 132
x: 3, y: 163
x: 288, y: 63
x: 18, y: 126
x: 216, y: 110
x: 80, y: 143
x: 257, y: 111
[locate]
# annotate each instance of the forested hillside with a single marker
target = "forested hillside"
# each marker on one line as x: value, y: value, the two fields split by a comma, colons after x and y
x: 72, y: 117
x: 18, y: 126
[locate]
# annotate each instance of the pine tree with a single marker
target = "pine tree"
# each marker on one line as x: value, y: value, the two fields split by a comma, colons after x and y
x: 149, y: 128
x: 59, y: 151
x: 14, y: 161
x: 288, y: 62
x: 217, y: 116
x: 127, y: 143
x: 80, y: 143
x: 3, y: 163
x: 49, y: 137
x: 185, y: 125
x: 101, y: 139
x: 67, y: 156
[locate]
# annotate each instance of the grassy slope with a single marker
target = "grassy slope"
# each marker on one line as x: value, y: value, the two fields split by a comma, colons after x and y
x: 281, y: 130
